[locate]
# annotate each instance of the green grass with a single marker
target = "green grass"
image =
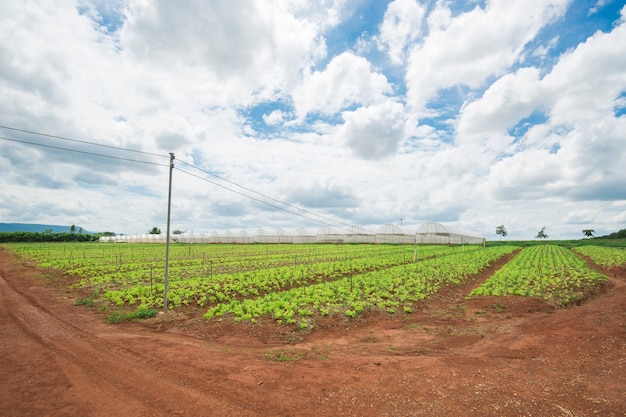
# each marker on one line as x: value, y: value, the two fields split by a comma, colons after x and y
x: 84, y: 302
x: 140, y: 314
x: 292, y: 355
x: 614, y: 243
x: 283, y: 355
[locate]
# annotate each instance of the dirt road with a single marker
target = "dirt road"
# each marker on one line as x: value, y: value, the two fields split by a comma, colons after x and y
x: 487, y: 357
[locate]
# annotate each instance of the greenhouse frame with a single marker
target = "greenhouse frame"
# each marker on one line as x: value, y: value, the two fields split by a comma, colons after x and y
x: 430, y: 233
x: 433, y: 233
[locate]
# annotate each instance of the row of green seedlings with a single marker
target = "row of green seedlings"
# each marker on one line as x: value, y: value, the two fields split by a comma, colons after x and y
x: 59, y: 255
x: 205, y: 291
x: 138, y: 273
x: 393, y: 290
x: 188, y: 268
x: 604, y: 256
x: 221, y: 258
x: 127, y: 265
x: 551, y: 272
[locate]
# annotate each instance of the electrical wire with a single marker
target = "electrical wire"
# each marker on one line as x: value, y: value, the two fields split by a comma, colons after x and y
x: 326, y: 219
x: 256, y: 199
x: 336, y: 224
x: 82, y: 141
x: 340, y: 227
x: 83, y: 152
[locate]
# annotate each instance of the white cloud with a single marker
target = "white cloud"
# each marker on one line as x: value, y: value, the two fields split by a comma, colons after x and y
x: 473, y: 46
x: 347, y: 80
x: 509, y: 99
x: 543, y: 50
x: 587, y: 80
x: 578, y: 96
x: 440, y: 17
x: 258, y: 44
x: 526, y: 175
x: 401, y: 26
x: 318, y: 195
x: 276, y: 117
x: 599, y: 4
x: 374, y: 132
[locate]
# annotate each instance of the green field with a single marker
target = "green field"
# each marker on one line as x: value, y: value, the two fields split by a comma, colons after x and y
x: 298, y: 284
x: 551, y: 272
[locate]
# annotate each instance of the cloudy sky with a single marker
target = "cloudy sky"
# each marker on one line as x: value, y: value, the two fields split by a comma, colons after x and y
x: 295, y: 113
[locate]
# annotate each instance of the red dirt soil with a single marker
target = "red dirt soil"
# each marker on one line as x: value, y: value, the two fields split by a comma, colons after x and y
x: 508, y: 356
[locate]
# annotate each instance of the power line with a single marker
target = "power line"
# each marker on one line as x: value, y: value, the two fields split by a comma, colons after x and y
x: 341, y: 224
x: 83, y: 152
x: 325, y: 220
x: 258, y: 199
x: 186, y: 163
x: 81, y: 141
x: 337, y: 224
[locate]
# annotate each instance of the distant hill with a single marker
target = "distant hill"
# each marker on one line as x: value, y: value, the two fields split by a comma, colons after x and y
x: 616, y: 235
x: 39, y: 228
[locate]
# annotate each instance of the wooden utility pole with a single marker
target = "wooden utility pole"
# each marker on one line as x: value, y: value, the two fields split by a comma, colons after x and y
x: 167, y: 234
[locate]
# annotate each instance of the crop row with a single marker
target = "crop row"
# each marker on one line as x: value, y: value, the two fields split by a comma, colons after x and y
x: 96, y: 259
x: 208, y: 274
x: 206, y: 290
x: 392, y: 289
x: 604, y: 256
x: 216, y: 267
x: 551, y: 272
x: 56, y: 254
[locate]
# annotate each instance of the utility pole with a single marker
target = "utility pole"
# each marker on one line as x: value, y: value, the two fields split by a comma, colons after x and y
x: 167, y: 234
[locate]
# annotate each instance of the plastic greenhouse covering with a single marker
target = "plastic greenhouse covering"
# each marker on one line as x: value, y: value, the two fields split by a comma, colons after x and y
x: 429, y: 233
x: 436, y: 233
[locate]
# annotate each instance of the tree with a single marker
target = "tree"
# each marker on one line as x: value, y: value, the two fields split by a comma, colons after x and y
x: 73, y: 229
x: 588, y: 232
x: 177, y: 232
x: 542, y: 234
x: 155, y: 231
x: 501, y: 230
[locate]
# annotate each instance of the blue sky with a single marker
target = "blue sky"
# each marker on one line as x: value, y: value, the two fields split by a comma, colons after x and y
x: 470, y: 113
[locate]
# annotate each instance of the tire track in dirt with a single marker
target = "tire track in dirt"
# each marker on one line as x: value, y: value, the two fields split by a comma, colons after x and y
x: 119, y: 381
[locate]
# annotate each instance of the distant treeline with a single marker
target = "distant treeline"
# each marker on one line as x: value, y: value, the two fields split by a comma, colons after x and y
x: 8, y: 237
x: 616, y: 235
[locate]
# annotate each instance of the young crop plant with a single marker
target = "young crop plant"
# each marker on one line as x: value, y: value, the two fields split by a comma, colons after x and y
x: 550, y: 272
x: 604, y: 256
x: 133, y: 282
x: 393, y: 290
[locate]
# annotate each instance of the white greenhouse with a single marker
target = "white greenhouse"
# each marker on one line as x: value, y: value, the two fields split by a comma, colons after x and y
x: 330, y: 235
x: 390, y: 233
x: 433, y: 233
x: 358, y: 234
x: 429, y: 233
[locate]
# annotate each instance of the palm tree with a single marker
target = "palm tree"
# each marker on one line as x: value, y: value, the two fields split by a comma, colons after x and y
x: 542, y: 234
x: 588, y: 232
x: 501, y: 230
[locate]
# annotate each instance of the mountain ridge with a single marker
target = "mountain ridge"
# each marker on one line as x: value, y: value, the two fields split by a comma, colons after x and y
x: 38, y: 228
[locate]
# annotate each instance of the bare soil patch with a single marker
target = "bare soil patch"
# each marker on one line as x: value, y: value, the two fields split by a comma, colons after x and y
x: 507, y: 356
